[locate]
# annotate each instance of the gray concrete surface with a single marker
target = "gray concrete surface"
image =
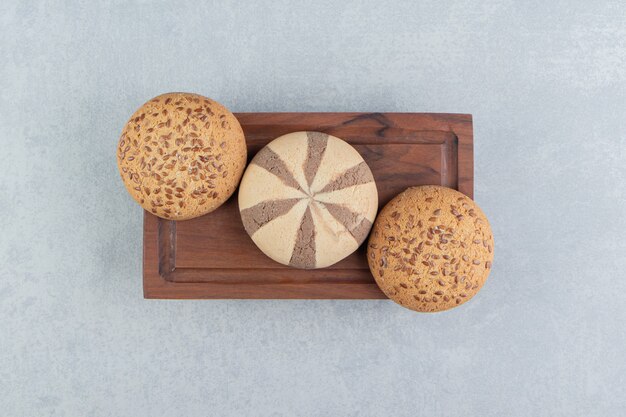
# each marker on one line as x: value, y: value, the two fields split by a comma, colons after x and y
x: 546, y: 83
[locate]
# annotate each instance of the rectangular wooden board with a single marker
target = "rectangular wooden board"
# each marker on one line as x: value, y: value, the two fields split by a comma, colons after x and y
x: 213, y: 257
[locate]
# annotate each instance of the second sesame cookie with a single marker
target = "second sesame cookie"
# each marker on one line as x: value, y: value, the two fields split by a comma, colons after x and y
x: 430, y: 249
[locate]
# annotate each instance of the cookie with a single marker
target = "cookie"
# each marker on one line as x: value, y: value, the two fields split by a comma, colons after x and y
x: 181, y: 155
x: 431, y: 248
x: 308, y: 200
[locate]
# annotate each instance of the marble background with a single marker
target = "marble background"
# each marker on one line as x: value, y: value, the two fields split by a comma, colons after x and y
x: 546, y: 83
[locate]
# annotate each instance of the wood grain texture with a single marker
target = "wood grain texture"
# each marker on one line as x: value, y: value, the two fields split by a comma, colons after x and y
x: 213, y: 257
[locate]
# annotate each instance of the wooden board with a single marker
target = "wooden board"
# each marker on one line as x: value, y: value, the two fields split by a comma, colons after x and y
x: 213, y: 257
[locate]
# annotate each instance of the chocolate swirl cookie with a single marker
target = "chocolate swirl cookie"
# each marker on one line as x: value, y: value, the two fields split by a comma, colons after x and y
x: 308, y: 199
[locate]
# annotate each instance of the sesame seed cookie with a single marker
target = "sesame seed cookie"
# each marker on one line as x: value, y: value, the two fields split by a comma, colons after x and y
x: 430, y: 249
x: 308, y: 200
x: 181, y: 155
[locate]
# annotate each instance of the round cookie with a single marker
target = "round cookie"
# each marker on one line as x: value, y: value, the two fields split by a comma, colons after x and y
x: 181, y: 155
x: 308, y: 199
x: 430, y: 249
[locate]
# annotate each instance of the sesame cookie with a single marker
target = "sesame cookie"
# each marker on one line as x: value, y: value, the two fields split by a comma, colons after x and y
x: 308, y: 199
x: 181, y: 155
x: 430, y: 249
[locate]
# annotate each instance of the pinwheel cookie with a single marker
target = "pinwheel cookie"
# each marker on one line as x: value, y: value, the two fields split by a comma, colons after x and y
x: 308, y: 200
